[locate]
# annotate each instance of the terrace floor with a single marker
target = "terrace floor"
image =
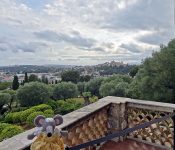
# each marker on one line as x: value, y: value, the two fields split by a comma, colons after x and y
x: 128, y: 145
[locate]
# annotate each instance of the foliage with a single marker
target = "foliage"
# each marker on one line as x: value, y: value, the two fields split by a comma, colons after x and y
x: 24, y: 114
x: 13, y: 98
x: 81, y: 87
x: 53, y: 104
x: 33, y: 78
x: 9, y: 118
x: 85, y: 78
x: 3, y: 125
x: 4, y: 99
x: 93, y: 86
x: 5, y: 85
x: 49, y: 111
x: 65, y: 90
x: 134, y: 71
x: 41, y: 107
x: 32, y: 116
x: 15, y: 84
x: 67, y: 106
x: 155, y: 79
x: 71, y: 75
x: 116, y: 85
x: 33, y: 93
x: 86, y: 94
x: 9, y: 131
x: 26, y: 79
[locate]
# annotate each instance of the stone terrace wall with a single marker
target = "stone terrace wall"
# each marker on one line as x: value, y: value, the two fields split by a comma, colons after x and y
x: 108, y: 115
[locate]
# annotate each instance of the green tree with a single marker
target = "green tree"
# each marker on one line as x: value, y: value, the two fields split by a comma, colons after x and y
x: 15, y: 84
x: 81, y: 87
x: 26, y: 78
x: 33, y: 78
x: 134, y: 71
x: 33, y: 93
x: 155, y: 79
x: 5, y: 85
x: 86, y: 96
x: 13, y: 98
x: 93, y: 86
x: 71, y: 75
x: 4, y: 100
x: 65, y: 90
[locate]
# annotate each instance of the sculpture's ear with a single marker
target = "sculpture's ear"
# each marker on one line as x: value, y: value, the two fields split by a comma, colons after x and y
x: 39, y: 120
x: 58, y: 119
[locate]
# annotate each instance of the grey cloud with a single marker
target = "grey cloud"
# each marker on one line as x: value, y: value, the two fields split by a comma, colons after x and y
x: 31, y: 46
x: 132, y: 48
x: 97, y: 49
x: 157, y: 38
x: 145, y: 15
x: 74, y: 39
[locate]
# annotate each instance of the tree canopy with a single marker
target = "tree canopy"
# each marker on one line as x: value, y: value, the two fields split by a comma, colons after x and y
x: 33, y: 93
x: 71, y: 75
x: 65, y: 90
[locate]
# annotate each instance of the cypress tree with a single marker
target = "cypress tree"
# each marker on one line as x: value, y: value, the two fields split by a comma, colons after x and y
x: 15, y: 84
x: 26, y: 78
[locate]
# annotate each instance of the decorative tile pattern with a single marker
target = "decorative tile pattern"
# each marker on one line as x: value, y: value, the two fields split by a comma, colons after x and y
x: 159, y: 133
x: 90, y: 128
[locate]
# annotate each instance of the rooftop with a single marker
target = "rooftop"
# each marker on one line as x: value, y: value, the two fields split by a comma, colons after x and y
x: 110, y: 115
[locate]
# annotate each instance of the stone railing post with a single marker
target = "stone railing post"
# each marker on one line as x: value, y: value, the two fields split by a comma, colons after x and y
x: 117, y: 118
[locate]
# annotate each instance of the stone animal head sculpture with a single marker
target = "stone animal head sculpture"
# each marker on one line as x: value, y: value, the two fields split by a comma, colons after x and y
x: 47, y: 125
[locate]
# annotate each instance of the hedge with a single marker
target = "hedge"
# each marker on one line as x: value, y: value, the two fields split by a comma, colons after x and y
x: 32, y: 116
x: 49, y: 111
x: 42, y: 107
x: 24, y: 114
x: 9, y: 131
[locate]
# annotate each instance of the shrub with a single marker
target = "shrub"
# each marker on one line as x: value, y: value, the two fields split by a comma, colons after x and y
x: 32, y: 116
x: 16, y: 117
x: 9, y: 118
x: 48, y: 115
x: 3, y: 126
x: 53, y: 104
x: 41, y: 107
x: 33, y: 93
x: 67, y: 107
x: 10, y: 131
x: 24, y: 114
x: 49, y: 111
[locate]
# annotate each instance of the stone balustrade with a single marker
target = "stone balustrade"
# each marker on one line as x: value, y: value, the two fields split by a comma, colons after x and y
x: 106, y: 116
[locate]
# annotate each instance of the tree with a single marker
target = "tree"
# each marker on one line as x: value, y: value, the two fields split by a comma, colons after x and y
x: 85, y: 78
x: 65, y: 90
x: 13, y: 97
x: 156, y: 77
x: 33, y: 93
x: 71, y: 75
x: 4, y: 99
x: 93, y: 86
x: 5, y: 85
x: 116, y: 87
x: 15, y: 84
x: 81, y: 87
x: 134, y: 71
x: 86, y: 96
x: 26, y: 78
x: 33, y: 78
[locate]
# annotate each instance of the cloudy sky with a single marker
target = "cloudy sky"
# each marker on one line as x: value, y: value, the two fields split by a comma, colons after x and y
x: 82, y: 32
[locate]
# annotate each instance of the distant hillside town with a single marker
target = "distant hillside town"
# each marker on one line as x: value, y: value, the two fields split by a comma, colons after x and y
x: 53, y: 72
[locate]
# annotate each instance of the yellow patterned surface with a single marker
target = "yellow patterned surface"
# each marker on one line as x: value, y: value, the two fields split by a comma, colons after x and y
x: 48, y: 143
x: 160, y: 133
